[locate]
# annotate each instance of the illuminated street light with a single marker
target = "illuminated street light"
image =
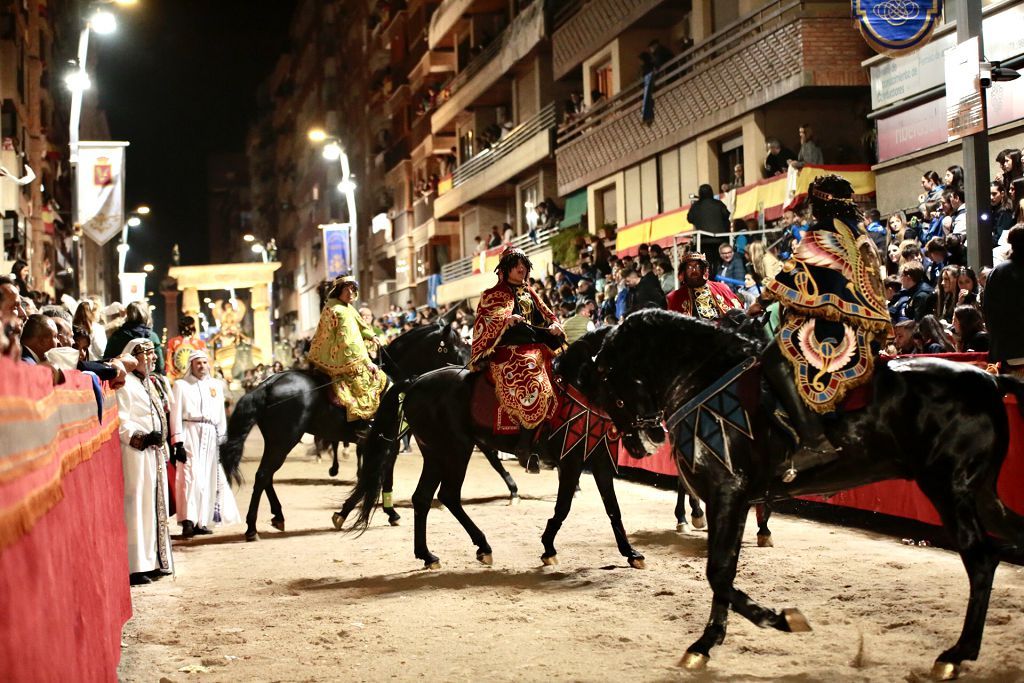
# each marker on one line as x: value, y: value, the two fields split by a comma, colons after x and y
x: 346, y: 186
x: 103, y: 22
x: 248, y: 238
x: 317, y: 135
x: 142, y: 210
x: 148, y: 268
x: 332, y: 151
x: 77, y: 81
x: 134, y: 222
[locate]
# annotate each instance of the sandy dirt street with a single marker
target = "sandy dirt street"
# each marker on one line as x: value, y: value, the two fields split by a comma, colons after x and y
x: 312, y: 604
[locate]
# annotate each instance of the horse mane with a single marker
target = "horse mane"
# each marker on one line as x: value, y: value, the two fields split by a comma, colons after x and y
x: 651, y: 341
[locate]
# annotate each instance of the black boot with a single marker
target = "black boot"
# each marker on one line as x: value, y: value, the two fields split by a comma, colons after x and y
x: 188, y: 529
x: 524, y: 450
x: 139, y: 579
x: 814, y: 448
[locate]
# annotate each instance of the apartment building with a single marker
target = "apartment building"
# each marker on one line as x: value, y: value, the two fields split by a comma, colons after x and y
x: 908, y: 100
x: 33, y: 132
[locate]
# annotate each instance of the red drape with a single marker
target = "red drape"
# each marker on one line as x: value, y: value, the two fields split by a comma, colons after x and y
x: 63, y: 553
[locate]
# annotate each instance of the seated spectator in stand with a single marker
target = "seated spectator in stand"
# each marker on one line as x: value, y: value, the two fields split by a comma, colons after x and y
x: 968, y: 289
x: 958, y: 213
x: 897, y: 226
x: 1004, y: 307
x: 778, y: 158
x: 892, y: 288
x: 969, y: 329
x: 663, y: 270
x: 905, y: 337
x: 764, y: 264
x: 1001, y: 217
x: 579, y: 324
x: 585, y: 290
x: 931, y: 337
x: 936, y: 252
x: 931, y: 220
x: 946, y: 293
x: 739, y: 242
x: 730, y: 270
x: 1010, y: 165
x: 953, y: 178
x: 918, y: 293
x: 809, y: 152
x: 875, y: 229
x: 932, y: 185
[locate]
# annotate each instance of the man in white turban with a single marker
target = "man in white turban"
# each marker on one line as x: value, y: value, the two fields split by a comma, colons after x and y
x: 143, y: 434
x: 198, y: 427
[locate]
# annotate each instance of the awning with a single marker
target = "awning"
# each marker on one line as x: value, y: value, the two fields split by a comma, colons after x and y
x: 575, y: 208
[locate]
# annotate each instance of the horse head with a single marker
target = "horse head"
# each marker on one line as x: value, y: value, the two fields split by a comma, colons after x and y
x: 451, y: 345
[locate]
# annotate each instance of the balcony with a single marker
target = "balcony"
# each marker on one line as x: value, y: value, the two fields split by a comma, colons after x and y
x: 527, y: 145
x: 759, y: 58
x: 431, y: 62
x: 467, y: 277
x: 422, y: 210
x: 597, y: 22
x: 513, y: 44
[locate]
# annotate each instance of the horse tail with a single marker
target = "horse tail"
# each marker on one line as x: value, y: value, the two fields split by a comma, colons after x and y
x: 998, y: 518
x: 242, y: 419
x: 378, y: 450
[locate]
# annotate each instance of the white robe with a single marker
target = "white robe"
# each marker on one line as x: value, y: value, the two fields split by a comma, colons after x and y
x: 203, y: 495
x: 145, y: 481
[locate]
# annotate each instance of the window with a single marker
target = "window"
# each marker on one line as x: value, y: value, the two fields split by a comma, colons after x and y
x: 466, y: 145
x: 601, y: 79
x: 606, y: 206
x: 730, y: 155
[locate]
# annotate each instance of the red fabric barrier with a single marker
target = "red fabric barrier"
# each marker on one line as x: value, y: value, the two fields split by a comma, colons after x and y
x: 64, y: 593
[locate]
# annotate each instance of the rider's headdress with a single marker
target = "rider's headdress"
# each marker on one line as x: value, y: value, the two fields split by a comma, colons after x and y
x: 508, y: 260
x: 832, y: 196
x: 344, y: 280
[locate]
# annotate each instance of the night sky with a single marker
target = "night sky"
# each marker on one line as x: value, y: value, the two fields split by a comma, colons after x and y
x: 178, y: 81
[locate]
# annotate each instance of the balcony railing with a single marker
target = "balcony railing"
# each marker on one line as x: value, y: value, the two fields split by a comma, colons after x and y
x: 422, y: 210
x: 543, y: 120
x: 470, y: 265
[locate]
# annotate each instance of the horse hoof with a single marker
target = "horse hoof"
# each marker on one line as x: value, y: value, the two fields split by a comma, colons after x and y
x: 250, y: 537
x: 637, y: 563
x: 681, y: 527
x: 333, y: 471
x: 277, y: 524
x: 394, y: 521
x: 698, y: 522
x: 338, y: 519
x: 796, y: 621
x: 945, y: 671
x: 485, y: 558
x: 765, y: 541
x: 436, y: 564
x: 694, y: 661
x: 549, y: 561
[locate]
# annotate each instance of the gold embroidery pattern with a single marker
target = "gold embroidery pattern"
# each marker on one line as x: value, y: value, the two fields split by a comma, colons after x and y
x: 522, y: 385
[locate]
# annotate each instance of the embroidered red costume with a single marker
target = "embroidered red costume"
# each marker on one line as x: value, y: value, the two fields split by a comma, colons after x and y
x: 516, y: 354
x: 709, y: 302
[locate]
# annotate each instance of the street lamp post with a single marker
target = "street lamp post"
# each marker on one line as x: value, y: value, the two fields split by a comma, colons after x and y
x: 133, y: 222
x: 333, y: 151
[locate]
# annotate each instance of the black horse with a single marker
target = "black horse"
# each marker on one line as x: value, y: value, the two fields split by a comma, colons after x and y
x: 437, y: 407
x: 290, y: 404
x: 939, y: 423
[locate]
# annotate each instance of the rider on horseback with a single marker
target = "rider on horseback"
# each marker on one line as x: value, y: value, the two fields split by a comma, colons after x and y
x: 339, y: 350
x: 835, y: 308
x: 513, y: 336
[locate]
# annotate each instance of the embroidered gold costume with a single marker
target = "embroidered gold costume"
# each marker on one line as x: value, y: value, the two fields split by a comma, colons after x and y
x: 339, y: 350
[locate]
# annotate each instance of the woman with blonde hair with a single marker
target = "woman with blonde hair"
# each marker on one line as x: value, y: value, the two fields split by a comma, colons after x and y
x: 87, y: 317
x: 764, y: 263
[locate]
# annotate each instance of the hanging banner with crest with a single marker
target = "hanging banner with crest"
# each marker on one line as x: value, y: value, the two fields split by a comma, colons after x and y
x: 336, y: 249
x: 892, y: 27
x: 99, y: 206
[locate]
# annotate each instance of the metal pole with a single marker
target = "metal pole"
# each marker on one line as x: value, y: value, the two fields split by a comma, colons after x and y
x: 353, y: 232
x: 975, y: 148
x: 76, y: 96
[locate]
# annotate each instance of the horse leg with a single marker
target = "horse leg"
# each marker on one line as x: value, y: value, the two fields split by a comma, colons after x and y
x: 569, y: 470
x: 450, y: 496
x: 602, y: 471
x: 274, y: 453
x: 958, y: 508
x: 277, y: 521
x: 430, y: 479
x: 513, y: 489
x: 696, y: 513
x: 680, y: 510
x: 333, y: 471
x: 386, y: 490
x: 762, y: 512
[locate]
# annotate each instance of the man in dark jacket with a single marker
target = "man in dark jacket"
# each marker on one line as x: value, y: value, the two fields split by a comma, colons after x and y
x: 643, y: 292
x: 1004, y: 307
x: 921, y: 295
x: 710, y: 215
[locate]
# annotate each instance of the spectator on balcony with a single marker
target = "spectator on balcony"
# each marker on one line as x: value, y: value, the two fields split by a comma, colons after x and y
x: 478, y: 245
x: 953, y: 177
x: 932, y: 185
x: 596, y: 97
x: 449, y: 162
x: 712, y: 216
x: 574, y: 107
x: 659, y: 54
x: 737, y: 177
x: 495, y: 238
x: 1004, y: 307
x: 969, y: 330
x: 810, y: 152
x: 777, y: 161
x: 507, y: 233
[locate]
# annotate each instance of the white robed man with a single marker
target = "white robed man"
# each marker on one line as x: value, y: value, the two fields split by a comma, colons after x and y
x: 198, y: 427
x: 143, y: 435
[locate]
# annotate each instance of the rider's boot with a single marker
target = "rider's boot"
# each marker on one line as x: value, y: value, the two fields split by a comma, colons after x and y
x: 814, y: 448
x: 524, y: 450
